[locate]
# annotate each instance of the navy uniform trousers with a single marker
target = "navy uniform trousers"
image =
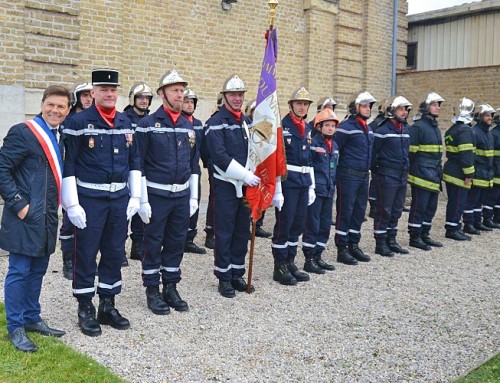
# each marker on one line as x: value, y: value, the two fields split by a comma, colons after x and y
x: 106, y: 231
x: 232, y: 231
x: 423, y: 208
x: 491, y: 205
x: 352, y: 198
x: 318, y: 225
x: 457, y: 197
x: 164, y: 238
x: 474, y: 206
x: 390, y: 194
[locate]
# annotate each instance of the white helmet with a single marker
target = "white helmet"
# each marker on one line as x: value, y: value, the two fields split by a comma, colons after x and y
x: 141, y: 88
x: 324, y: 102
x: 360, y: 98
x: 169, y: 78
x: 465, y: 113
x: 431, y: 97
x: 233, y: 84
x: 77, y: 89
x: 393, y: 103
x: 482, y: 110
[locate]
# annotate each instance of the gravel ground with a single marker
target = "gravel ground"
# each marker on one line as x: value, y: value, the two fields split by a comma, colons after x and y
x: 423, y: 317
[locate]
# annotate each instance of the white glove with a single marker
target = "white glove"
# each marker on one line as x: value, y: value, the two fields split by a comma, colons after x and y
x: 134, y: 203
x: 193, y: 206
x: 278, y: 199
x: 77, y: 216
x: 145, y: 212
x: 312, y: 197
x: 251, y: 179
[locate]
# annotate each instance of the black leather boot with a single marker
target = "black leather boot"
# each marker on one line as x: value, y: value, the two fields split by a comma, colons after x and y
x: 416, y: 241
x: 382, y: 249
x: 191, y: 247
x: 226, y: 289
x: 321, y: 263
x: 87, y: 321
x: 261, y: 233
x: 343, y: 256
x: 173, y: 299
x: 457, y: 235
x: 136, y: 250
x: 209, y: 240
x: 155, y: 301
x: 107, y: 314
x: 282, y: 275
x: 239, y: 284
x: 300, y: 276
x: 311, y: 266
x: 496, y: 219
x: 68, y: 265
x: 488, y: 222
x: 428, y: 240
x: 395, y: 246
x: 357, y: 253
x: 481, y: 227
x: 470, y: 229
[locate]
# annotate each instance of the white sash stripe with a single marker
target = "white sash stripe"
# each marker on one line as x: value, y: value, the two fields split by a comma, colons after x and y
x: 50, y: 145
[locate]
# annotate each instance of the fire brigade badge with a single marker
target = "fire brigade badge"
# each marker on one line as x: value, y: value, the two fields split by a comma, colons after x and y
x: 192, y: 138
x: 91, y: 142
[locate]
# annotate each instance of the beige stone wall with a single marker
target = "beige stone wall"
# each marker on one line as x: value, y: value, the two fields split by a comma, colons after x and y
x: 478, y: 84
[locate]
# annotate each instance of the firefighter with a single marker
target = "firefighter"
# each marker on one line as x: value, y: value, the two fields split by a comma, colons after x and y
x: 355, y: 140
x: 297, y: 189
x: 227, y: 142
x: 171, y: 173
x: 81, y: 97
x: 325, y: 157
x: 188, y: 108
x: 458, y: 170
x: 484, y: 173
x: 493, y: 198
x: 140, y: 97
x: 390, y: 164
x: 425, y: 171
x: 101, y: 191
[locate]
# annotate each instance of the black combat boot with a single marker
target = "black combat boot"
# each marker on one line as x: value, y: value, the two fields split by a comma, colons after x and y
x: 155, y: 301
x: 300, y: 276
x: 357, y: 253
x: 395, y: 246
x: 86, y: 320
x: 261, y: 233
x: 239, y: 284
x: 226, y: 289
x: 107, y: 314
x: 124, y: 260
x: 343, y: 256
x: 481, y: 227
x: 209, y: 240
x: 282, y: 275
x: 470, y: 229
x: 68, y: 265
x: 457, y: 235
x: 496, y: 219
x: 428, y: 240
x: 488, y: 222
x: 371, y: 212
x: 191, y: 247
x: 136, y: 250
x: 321, y: 263
x: 382, y: 249
x: 311, y: 266
x: 416, y: 241
x: 173, y: 299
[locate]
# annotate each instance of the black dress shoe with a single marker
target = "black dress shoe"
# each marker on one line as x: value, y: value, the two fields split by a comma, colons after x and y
x: 457, y: 235
x: 107, y: 314
x: 343, y: 256
x: 416, y: 241
x: 261, y: 233
x: 357, y: 253
x: 239, y: 284
x: 87, y: 321
x: 155, y: 301
x: 21, y: 340
x: 226, y: 289
x: 191, y: 247
x: 300, y: 276
x: 42, y: 328
x: 488, y: 222
x: 136, y: 250
x: 470, y: 229
x: 172, y: 297
x: 311, y: 266
x: 428, y: 240
x: 480, y: 226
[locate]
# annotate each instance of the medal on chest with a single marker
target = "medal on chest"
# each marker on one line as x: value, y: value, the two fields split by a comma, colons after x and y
x: 91, y: 143
x: 192, y: 138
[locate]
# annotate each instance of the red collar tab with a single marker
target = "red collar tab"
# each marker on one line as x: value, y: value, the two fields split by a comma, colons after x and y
x: 237, y: 115
x: 300, y: 124
x: 363, y: 123
x: 189, y: 117
x: 108, y: 114
x: 174, y: 116
x: 397, y: 124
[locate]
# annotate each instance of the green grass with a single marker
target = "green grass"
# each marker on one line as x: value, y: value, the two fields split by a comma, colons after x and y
x: 54, y: 362
x: 489, y: 372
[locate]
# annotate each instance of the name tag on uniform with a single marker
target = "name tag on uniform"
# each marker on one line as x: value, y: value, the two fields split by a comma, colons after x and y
x: 116, y: 150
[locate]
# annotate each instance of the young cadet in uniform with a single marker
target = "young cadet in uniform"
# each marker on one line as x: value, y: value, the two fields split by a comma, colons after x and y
x: 491, y: 210
x: 355, y: 140
x: 325, y: 157
x: 140, y: 97
x: 30, y: 177
x: 169, y: 160
x: 188, y: 109
x: 323, y: 103
x: 426, y: 147
x: 390, y: 164
x: 101, y: 157
x: 81, y: 99
x: 483, y: 177
x: 458, y: 170
x: 227, y: 142
x: 297, y: 189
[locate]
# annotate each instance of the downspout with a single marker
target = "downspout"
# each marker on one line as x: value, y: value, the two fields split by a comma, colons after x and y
x: 394, y: 46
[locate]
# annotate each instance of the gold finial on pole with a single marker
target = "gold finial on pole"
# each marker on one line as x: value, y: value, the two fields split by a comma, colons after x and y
x: 272, y: 12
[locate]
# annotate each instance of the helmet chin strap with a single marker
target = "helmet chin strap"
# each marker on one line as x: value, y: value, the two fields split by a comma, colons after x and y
x: 228, y: 104
x: 168, y: 102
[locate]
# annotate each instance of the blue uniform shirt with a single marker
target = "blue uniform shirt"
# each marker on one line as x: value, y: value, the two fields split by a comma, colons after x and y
x: 325, y: 165
x: 355, y: 145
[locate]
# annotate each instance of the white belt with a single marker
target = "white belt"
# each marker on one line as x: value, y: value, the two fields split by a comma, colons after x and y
x: 299, y: 169
x: 112, y: 187
x: 171, y: 188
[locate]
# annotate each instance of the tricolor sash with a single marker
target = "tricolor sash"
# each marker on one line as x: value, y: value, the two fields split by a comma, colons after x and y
x: 50, y: 147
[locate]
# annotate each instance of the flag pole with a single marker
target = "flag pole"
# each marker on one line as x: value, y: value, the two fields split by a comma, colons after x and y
x: 272, y: 15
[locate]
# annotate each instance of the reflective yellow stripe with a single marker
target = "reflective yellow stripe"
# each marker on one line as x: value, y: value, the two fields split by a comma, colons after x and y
x: 464, y: 147
x: 469, y: 170
x: 451, y: 149
x: 496, y: 153
x: 413, y: 148
x: 484, y: 153
x: 423, y: 183
x: 496, y: 180
x: 455, y: 181
x: 428, y: 148
x: 482, y: 183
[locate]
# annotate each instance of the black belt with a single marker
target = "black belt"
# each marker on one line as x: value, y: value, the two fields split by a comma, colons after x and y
x: 396, y: 172
x: 352, y: 172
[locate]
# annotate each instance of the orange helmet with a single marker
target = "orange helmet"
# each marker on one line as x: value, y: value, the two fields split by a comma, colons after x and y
x: 325, y: 115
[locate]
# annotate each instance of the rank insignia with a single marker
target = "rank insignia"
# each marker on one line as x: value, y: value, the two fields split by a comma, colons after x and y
x: 192, y: 138
x: 130, y: 139
x: 91, y: 142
